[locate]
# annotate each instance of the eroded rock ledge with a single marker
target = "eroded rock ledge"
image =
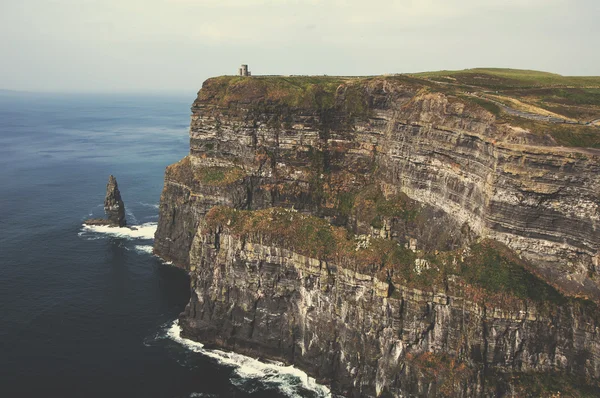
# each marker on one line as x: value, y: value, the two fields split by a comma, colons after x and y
x: 470, y: 235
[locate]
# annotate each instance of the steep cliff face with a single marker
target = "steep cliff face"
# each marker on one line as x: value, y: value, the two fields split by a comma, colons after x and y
x: 347, y: 329
x: 400, y: 161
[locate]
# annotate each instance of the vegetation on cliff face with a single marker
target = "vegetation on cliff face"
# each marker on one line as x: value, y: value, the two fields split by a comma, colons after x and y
x: 487, y: 271
x: 451, y: 371
x: 533, y: 93
x: 218, y: 176
x: 496, y: 269
x: 371, y: 207
x: 302, y: 92
x: 568, y: 135
x: 307, y: 235
x: 194, y: 175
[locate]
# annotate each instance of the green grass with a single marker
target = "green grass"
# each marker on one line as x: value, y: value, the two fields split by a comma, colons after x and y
x: 218, y: 176
x: 371, y: 207
x: 280, y: 94
x: 186, y: 173
x: 573, y: 96
x: 576, y: 103
x: 490, y: 272
x: 568, y: 135
x: 498, y: 78
x: 344, y: 99
x: 313, y: 237
x: 496, y: 269
x: 296, y: 91
x: 487, y: 105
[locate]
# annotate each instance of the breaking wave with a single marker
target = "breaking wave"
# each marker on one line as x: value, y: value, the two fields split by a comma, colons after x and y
x: 152, y: 205
x: 144, y: 248
x: 143, y: 231
x: 289, y: 380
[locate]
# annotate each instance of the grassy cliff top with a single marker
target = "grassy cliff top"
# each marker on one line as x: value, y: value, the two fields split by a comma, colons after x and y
x: 288, y: 88
x: 574, y: 98
x: 294, y: 91
x: 564, y: 107
x: 506, y: 78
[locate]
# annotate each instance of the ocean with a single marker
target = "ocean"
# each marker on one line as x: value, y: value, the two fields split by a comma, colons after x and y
x: 90, y: 312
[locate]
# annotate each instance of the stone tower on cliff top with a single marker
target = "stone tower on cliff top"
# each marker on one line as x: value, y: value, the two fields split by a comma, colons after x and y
x: 243, y: 70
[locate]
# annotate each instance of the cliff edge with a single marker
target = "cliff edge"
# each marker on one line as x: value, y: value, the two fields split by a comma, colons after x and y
x: 392, y: 235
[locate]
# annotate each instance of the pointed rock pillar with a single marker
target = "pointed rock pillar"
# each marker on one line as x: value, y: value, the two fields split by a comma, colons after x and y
x: 113, y: 204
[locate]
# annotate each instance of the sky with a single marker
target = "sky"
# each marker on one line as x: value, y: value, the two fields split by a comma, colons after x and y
x: 174, y: 45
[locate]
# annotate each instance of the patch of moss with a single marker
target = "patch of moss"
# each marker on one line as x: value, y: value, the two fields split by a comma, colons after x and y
x: 372, y: 207
x: 345, y: 203
x: 497, y: 269
x: 316, y: 93
x: 490, y: 272
x: 209, y: 146
x: 569, y: 135
x: 487, y: 105
x: 546, y: 384
x: 449, y: 372
x: 218, y: 176
x: 313, y: 237
x: 576, y: 136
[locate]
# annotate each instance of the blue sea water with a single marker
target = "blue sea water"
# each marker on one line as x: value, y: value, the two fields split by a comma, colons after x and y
x: 84, y: 313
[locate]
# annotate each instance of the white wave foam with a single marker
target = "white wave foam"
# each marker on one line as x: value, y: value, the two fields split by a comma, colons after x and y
x: 144, y: 248
x: 83, y: 234
x: 287, y: 378
x: 154, y: 206
x: 144, y: 231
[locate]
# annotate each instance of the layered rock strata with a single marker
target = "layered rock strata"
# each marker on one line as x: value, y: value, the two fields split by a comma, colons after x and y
x: 393, y: 159
x: 345, y: 327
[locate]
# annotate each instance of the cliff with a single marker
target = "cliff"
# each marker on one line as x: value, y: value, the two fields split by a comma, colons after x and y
x: 390, y: 235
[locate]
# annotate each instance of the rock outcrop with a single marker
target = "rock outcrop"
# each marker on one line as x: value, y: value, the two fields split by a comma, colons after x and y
x: 440, y: 249
x: 113, y: 206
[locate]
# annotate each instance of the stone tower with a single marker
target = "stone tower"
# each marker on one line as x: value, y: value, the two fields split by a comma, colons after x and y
x: 243, y: 71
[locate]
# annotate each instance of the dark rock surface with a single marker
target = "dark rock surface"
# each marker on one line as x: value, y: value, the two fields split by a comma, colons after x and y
x: 344, y: 328
x: 113, y: 204
x: 113, y: 207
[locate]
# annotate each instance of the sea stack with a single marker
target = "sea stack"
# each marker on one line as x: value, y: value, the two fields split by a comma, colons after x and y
x: 113, y: 206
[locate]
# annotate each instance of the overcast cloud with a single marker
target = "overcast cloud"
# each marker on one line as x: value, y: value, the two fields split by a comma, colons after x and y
x: 174, y: 45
